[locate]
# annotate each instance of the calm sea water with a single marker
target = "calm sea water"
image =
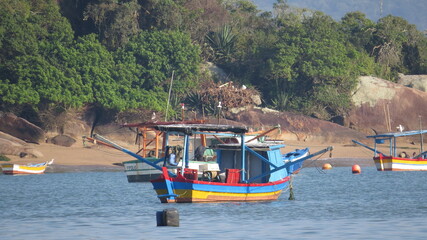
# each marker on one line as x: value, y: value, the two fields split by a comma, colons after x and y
x: 329, y: 205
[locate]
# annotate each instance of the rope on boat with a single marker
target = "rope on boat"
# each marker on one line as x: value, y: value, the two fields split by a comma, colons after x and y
x: 314, y: 161
x: 109, y: 153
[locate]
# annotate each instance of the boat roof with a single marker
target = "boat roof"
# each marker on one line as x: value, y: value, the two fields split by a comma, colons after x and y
x: 155, y: 123
x: 254, y: 146
x: 191, y: 128
x: 398, y: 134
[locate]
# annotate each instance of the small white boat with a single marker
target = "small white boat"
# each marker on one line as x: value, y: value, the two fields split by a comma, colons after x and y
x: 15, y: 169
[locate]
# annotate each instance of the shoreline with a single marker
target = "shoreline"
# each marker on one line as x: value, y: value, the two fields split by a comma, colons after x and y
x: 57, y: 168
x: 318, y: 163
x: 335, y: 162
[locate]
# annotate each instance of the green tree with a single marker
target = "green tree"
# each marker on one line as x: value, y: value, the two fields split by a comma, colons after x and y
x: 158, y: 53
x: 254, y: 36
x: 26, y: 25
x: 162, y: 14
x: 394, y: 41
x: 116, y: 21
x: 313, y: 68
x: 202, y: 17
x: 358, y: 30
x: 31, y: 33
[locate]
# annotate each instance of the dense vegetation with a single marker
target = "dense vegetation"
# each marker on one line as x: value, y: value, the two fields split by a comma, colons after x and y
x: 120, y: 55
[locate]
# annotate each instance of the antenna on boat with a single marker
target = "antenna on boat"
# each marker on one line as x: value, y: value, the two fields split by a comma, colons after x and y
x: 169, y: 97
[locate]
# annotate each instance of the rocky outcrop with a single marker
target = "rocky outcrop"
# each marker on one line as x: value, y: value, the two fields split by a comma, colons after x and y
x: 215, y: 72
x: 414, y: 81
x: 295, y: 126
x: 10, y: 145
x: 62, y: 140
x: 13, y: 139
x: 75, y: 128
x: 21, y: 128
x: 381, y: 106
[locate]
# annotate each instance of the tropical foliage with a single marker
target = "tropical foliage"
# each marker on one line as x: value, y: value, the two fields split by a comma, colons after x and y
x: 122, y: 54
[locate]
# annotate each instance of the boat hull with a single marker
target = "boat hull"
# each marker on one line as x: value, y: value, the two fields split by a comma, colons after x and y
x: 15, y: 169
x: 189, y: 191
x: 389, y: 163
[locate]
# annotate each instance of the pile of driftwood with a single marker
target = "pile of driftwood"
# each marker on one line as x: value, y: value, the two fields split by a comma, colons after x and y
x: 228, y: 95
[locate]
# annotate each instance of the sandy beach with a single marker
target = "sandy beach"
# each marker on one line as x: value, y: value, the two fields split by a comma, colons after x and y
x: 89, y: 157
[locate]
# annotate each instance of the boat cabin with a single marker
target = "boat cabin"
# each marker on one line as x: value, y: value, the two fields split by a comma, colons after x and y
x: 391, y: 140
x: 259, y: 158
x: 250, y: 164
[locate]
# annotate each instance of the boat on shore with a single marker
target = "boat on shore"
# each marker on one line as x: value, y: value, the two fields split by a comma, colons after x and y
x: 396, y: 159
x: 19, y: 169
x: 242, y: 171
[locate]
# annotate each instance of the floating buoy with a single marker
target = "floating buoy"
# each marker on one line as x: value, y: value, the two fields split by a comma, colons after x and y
x: 356, y: 169
x: 327, y: 166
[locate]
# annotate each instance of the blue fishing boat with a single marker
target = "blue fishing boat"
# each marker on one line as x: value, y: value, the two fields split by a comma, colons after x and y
x: 243, y: 171
x: 152, y: 148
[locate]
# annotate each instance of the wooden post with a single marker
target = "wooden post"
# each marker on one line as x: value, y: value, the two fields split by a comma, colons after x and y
x: 219, y: 110
x: 144, y: 142
x: 182, y: 112
x: 421, y: 136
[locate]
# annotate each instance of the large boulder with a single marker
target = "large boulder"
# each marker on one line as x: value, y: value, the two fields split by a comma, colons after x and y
x: 12, y: 139
x: 62, y: 140
x: 21, y: 128
x: 10, y: 147
x: 215, y: 72
x: 381, y: 106
x: 414, y: 81
x: 75, y: 128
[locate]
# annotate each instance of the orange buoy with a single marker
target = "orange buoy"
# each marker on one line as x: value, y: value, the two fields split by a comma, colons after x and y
x: 356, y: 169
x: 327, y: 166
